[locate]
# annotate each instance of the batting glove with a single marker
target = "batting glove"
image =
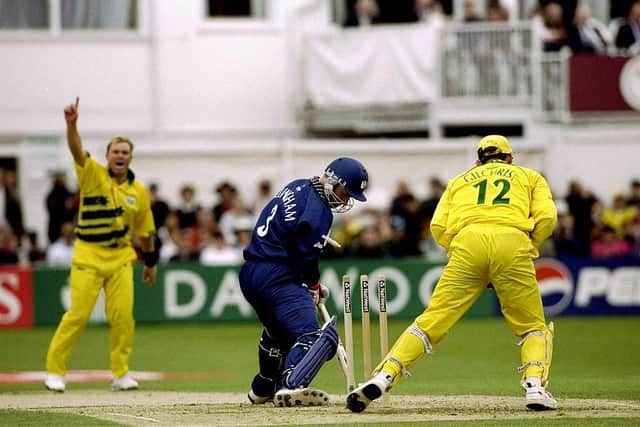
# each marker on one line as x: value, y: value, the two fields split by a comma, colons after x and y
x: 319, y: 293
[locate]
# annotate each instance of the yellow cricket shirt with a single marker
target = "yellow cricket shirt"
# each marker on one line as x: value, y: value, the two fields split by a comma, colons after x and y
x: 495, y: 193
x: 109, y: 215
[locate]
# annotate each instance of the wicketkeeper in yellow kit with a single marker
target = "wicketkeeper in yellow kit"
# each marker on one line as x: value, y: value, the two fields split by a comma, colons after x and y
x: 491, y: 220
x: 113, y: 206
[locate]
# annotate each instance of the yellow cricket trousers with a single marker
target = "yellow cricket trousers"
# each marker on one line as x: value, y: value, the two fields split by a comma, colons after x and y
x: 480, y: 254
x: 86, y: 283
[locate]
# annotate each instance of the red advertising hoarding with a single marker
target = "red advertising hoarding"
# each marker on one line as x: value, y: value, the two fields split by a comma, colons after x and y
x: 16, y: 297
x: 599, y: 83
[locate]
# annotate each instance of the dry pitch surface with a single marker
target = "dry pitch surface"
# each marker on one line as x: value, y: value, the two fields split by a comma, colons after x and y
x: 156, y: 408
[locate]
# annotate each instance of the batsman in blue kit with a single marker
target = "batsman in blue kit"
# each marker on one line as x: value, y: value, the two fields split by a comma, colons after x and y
x: 280, y: 279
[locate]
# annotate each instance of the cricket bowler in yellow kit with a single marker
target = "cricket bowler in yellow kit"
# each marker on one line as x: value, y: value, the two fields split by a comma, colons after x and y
x: 491, y: 220
x: 113, y: 207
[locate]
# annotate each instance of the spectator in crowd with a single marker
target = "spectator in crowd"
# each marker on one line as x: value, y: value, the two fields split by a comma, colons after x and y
x: 187, y: 207
x: 62, y: 206
x: 159, y: 207
x: 471, y: 12
x: 8, y: 245
x: 60, y: 252
x: 218, y: 252
x: 364, y: 14
x: 607, y: 244
x: 169, y: 247
x: 10, y: 204
x: 263, y: 195
x: 593, y: 35
x: 430, y: 12
x: 628, y: 36
x: 564, y: 241
x: 496, y: 12
x: 186, y: 251
x: 634, y: 196
x: 368, y: 243
x: 549, y: 27
x: 227, y: 194
x: 428, y: 206
x: 33, y: 252
x: 228, y: 219
x: 632, y: 235
x: 242, y: 227
x: 619, y: 214
x: 580, y: 202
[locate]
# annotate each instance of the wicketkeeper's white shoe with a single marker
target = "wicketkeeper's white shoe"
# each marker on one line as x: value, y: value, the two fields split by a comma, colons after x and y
x: 300, y: 397
x: 258, y: 400
x: 55, y: 383
x: 123, y: 383
x: 359, y: 399
x: 538, y: 399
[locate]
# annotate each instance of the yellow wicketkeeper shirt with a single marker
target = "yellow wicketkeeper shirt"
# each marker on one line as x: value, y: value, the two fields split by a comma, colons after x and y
x: 495, y: 193
x: 108, y: 216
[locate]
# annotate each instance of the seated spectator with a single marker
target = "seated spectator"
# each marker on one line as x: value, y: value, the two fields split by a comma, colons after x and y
x: 619, y: 214
x: 8, y: 245
x: 187, y: 207
x: 243, y: 227
x: 607, y: 245
x: 61, y: 205
x: 430, y: 12
x: 34, y: 252
x: 60, y: 252
x: 634, y: 197
x: 632, y: 235
x: 400, y: 245
x: 227, y: 193
x: 218, y: 252
x: 549, y: 27
x: 471, y: 12
x: 159, y: 207
x: 628, y: 36
x: 184, y: 243
x: 496, y: 12
x: 263, y: 195
x: 593, y: 35
x: 564, y: 240
x: 368, y: 243
x: 169, y: 247
x: 364, y: 14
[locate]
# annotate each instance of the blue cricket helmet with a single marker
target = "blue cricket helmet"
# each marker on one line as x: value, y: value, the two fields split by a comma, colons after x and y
x: 351, y: 174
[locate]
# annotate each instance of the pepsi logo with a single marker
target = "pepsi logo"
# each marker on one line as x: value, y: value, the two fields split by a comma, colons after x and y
x: 556, y: 285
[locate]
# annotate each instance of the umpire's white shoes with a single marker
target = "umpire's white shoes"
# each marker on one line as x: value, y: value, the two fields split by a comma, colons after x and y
x: 258, y: 400
x: 123, y: 383
x: 300, y: 397
x: 359, y: 399
x: 538, y: 399
x: 54, y: 382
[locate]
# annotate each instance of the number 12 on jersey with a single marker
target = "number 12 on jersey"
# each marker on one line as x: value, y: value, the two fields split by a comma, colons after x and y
x: 500, y: 199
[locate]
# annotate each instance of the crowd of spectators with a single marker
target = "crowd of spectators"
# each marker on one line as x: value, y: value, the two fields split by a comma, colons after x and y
x: 215, y: 235
x: 556, y: 23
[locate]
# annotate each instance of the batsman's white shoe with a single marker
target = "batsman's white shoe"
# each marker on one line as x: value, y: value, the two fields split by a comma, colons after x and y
x: 538, y: 399
x: 123, y: 383
x: 258, y: 400
x: 55, y: 383
x: 300, y: 397
x: 359, y: 399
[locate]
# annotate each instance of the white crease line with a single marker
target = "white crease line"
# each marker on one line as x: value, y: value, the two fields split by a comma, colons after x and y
x: 133, y: 416
x: 630, y: 405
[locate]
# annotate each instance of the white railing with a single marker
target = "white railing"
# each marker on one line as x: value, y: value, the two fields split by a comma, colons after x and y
x: 487, y: 61
x: 551, y: 86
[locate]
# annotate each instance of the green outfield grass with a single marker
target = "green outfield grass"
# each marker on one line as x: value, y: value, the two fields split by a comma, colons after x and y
x: 593, y: 358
